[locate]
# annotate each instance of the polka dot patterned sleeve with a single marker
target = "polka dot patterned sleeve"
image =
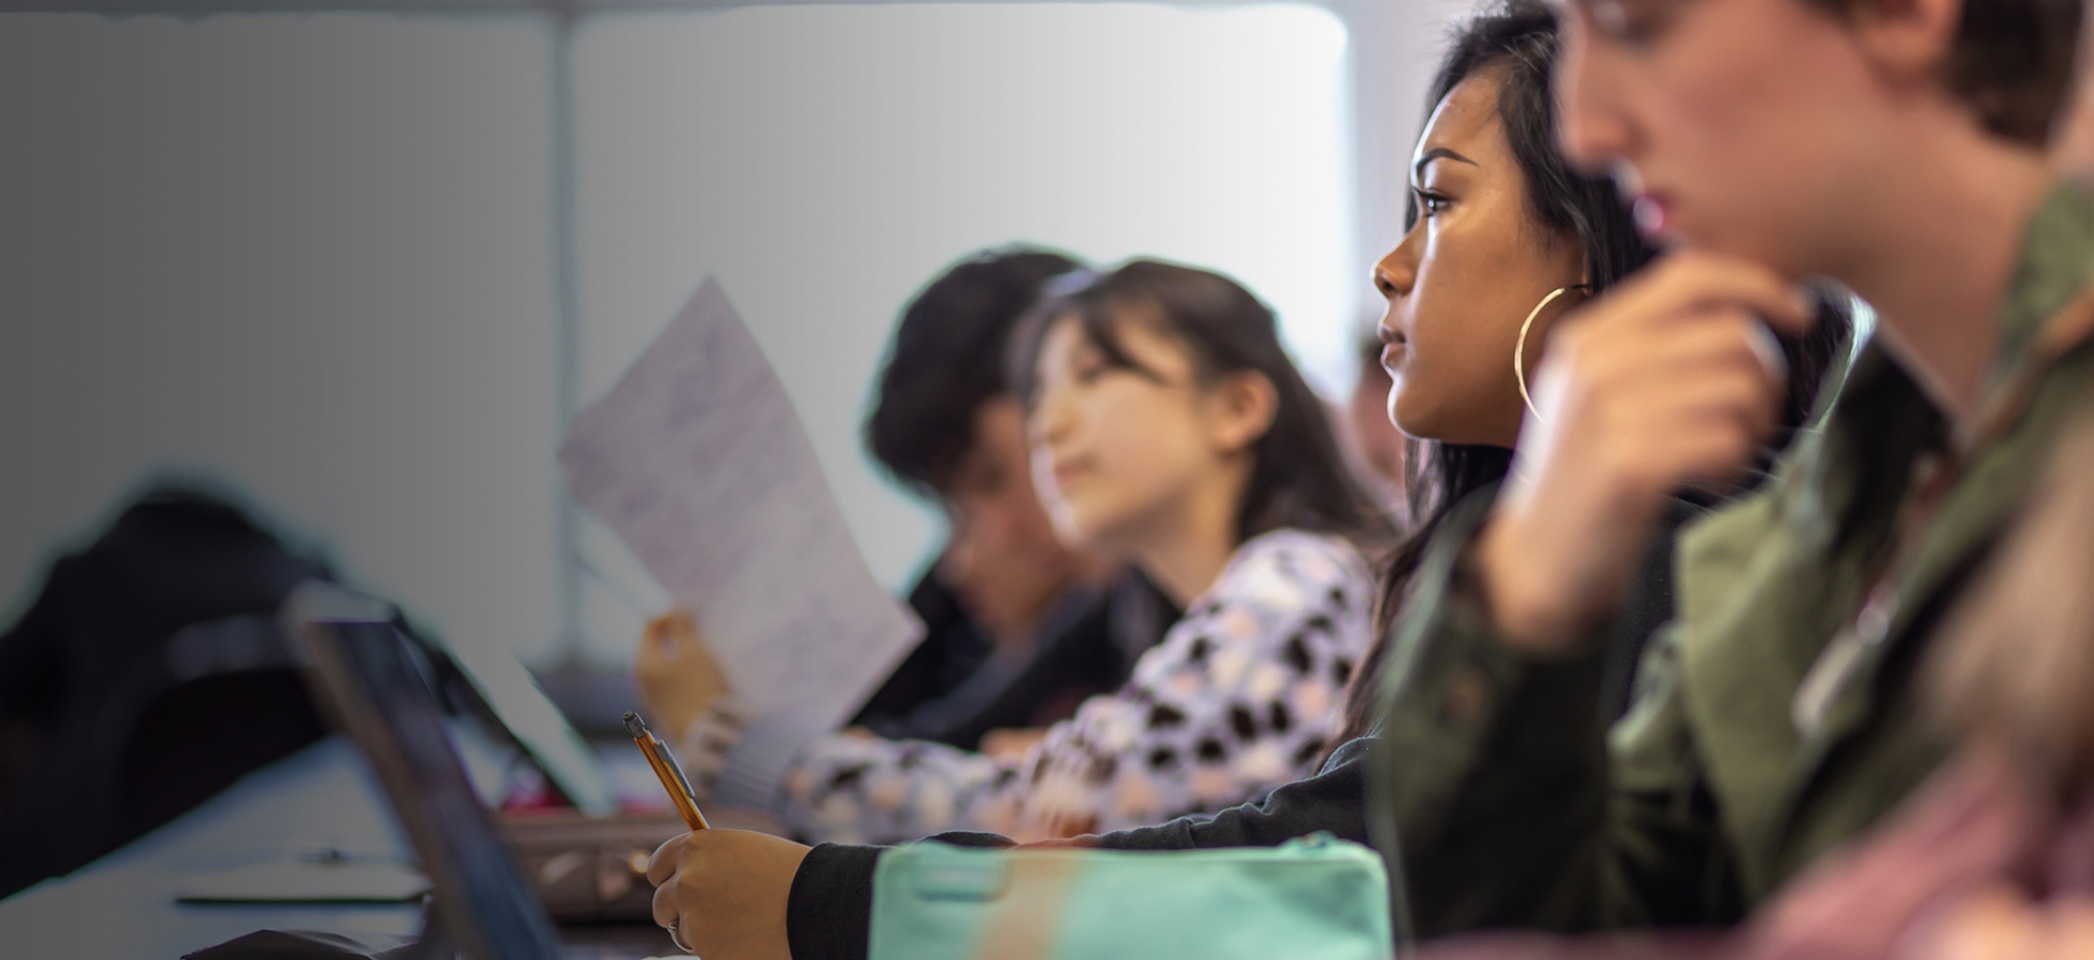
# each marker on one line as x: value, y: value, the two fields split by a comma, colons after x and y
x: 1241, y: 696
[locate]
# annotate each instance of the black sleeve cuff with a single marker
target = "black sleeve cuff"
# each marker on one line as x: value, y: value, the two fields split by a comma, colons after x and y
x: 828, y: 915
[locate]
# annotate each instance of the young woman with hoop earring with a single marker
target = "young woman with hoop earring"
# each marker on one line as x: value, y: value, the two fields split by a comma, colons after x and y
x: 1505, y: 240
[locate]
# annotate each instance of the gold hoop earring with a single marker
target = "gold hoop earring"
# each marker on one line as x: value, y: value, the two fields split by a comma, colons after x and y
x: 1519, y: 351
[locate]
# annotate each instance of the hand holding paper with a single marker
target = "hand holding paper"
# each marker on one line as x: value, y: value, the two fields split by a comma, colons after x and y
x: 678, y: 675
x: 699, y: 462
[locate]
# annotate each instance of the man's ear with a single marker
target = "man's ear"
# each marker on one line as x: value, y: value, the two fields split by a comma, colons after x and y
x: 1908, y: 40
x: 1242, y: 407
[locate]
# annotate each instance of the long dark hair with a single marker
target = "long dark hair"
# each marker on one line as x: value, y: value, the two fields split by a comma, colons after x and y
x: 1299, y: 477
x: 1517, y: 38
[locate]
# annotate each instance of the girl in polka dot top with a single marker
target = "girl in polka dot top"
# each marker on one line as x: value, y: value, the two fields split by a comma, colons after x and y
x: 1167, y: 427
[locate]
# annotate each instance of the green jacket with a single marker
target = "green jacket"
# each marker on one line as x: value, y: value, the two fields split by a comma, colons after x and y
x: 1514, y: 806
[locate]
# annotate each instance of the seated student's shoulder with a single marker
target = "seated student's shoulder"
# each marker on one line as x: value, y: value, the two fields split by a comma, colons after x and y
x: 1291, y: 567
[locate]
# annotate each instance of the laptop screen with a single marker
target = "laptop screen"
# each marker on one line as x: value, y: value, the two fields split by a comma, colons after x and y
x: 378, y: 691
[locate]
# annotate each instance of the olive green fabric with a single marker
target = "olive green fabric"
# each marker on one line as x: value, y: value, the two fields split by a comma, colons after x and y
x: 1510, y: 803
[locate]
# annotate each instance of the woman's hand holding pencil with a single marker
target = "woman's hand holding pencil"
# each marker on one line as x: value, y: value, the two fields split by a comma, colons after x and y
x: 724, y: 892
x: 736, y: 882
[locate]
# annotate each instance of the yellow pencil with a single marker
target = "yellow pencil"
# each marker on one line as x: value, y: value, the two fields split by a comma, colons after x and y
x: 666, y: 767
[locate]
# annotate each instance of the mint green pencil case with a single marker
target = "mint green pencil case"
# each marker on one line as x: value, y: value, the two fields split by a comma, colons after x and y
x: 1314, y: 898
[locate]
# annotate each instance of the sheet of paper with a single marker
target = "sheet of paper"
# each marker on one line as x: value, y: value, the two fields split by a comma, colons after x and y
x: 699, y: 462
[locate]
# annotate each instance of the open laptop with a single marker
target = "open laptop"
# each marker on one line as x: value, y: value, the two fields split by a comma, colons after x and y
x: 379, y: 692
x: 537, y: 725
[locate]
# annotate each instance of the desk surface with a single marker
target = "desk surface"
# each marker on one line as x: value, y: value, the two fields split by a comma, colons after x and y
x: 121, y: 907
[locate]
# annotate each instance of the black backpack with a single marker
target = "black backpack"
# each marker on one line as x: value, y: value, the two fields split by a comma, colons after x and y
x: 147, y: 675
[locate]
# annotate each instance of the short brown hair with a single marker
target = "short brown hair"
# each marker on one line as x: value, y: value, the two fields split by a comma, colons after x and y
x: 2012, y: 62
